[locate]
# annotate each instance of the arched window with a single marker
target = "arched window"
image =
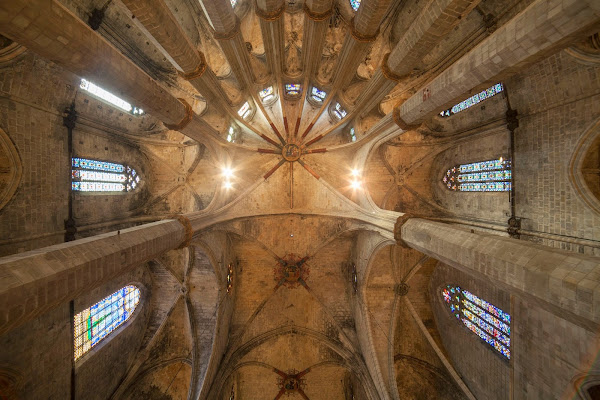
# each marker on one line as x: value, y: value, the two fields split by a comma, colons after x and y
x: 245, y: 111
x: 101, y: 176
x: 109, y: 97
x: 471, y: 101
x: 266, y: 94
x: 95, y: 323
x: 339, y: 111
x: 484, y: 176
x: 318, y: 95
x: 292, y: 89
x: 352, y: 135
x: 485, y: 320
x: 355, y: 4
x: 233, y: 3
x: 231, y: 134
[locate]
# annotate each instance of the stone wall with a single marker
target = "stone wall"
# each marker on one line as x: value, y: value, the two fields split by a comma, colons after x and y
x: 46, y: 366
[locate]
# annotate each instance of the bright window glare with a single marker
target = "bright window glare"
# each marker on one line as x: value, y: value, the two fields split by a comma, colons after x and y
x: 107, y: 96
x: 244, y: 111
x: 356, y: 184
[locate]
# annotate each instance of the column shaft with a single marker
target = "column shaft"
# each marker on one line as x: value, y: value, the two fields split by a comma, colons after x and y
x: 567, y: 282
x: 39, y: 280
x: 541, y: 29
x: 49, y: 29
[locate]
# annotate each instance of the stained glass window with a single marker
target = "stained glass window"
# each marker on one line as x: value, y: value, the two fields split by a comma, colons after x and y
x: 484, y: 176
x: 230, y: 134
x: 352, y: 135
x: 102, y: 176
x: 318, y: 95
x: 244, y: 111
x: 266, y: 94
x: 355, y: 4
x: 109, y: 97
x: 229, y: 277
x: 233, y: 3
x: 471, y: 101
x: 292, y: 89
x: 482, y: 318
x: 96, y: 322
x: 339, y: 111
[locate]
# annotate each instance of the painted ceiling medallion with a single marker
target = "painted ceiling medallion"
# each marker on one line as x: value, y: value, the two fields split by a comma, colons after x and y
x: 291, y: 271
x: 291, y: 382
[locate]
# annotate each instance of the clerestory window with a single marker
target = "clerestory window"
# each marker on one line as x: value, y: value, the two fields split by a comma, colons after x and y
x: 355, y: 4
x: 352, y: 135
x: 109, y: 97
x: 483, y: 176
x: 233, y: 3
x: 471, y: 101
x: 485, y: 320
x: 318, y: 95
x: 245, y: 111
x: 292, y: 89
x: 339, y: 111
x: 95, y: 323
x: 230, y: 134
x: 266, y: 94
x: 102, y: 176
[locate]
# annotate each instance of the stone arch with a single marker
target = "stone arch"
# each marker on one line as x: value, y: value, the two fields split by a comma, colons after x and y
x: 11, y: 169
x: 584, y: 168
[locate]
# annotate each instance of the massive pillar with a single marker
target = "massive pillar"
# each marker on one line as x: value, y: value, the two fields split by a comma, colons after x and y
x: 565, y: 282
x: 49, y: 29
x: 364, y: 29
x: 316, y: 21
x: 226, y: 24
x: 158, y: 20
x: 542, y: 28
x: 272, y: 28
x: 434, y: 22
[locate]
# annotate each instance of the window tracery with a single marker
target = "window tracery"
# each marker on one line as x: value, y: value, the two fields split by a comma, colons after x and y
x: 230, y: 134
x: 95, y: 323
x: 266, y: 94
x: 483, y: 176
x: 352, y: 135
x: 318, y: 95
x: 102, y: 176
x: 109, y: 97
x: 339, y: 111
x: 293, y: 89
x: 471, y: 101
x: 487, y: 321
x: 245, y: 111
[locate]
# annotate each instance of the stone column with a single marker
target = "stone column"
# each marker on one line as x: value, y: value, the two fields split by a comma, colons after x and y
x: 272, y: 28
x: 434, y: 22
x: 364, y: 28
x: 316, y: 21
x: 36, y: 281
x: 49, y: 29
x: 226, y: 24
x: 158, y: 20
x: 563, y: 282
x: 544, y: 27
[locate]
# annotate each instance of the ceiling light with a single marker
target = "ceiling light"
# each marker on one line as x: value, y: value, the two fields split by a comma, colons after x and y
x: 355, y: 172
x: 356, y: 184
x: 228, y: 185
x: 227, y: 172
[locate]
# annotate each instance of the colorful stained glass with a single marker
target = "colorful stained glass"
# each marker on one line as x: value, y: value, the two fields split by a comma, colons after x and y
x: 483, y: 176
x: 339, y: 111
x: 96, y: 322
x: 244, y: 111
x: 266, y: 94
x: 485, y: 320
x: 109, y: 97
x: 293, y: 89
x: 233, y: 3
x: 355, y: 4
x: 352, y: 135
x: 317, y: 94
x: 471, y: 101
x: 102, y: 176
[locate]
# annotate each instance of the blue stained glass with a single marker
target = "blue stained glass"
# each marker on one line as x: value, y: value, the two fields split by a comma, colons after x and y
x: 102, y: 176
x: 292, y: 89
x: 96, y: 322
x: 475, y: 99
x: 339, y: 111
x: 483, y: 176
x: 482, y: 318
x: 355, y: 4
x: 317, y: 94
